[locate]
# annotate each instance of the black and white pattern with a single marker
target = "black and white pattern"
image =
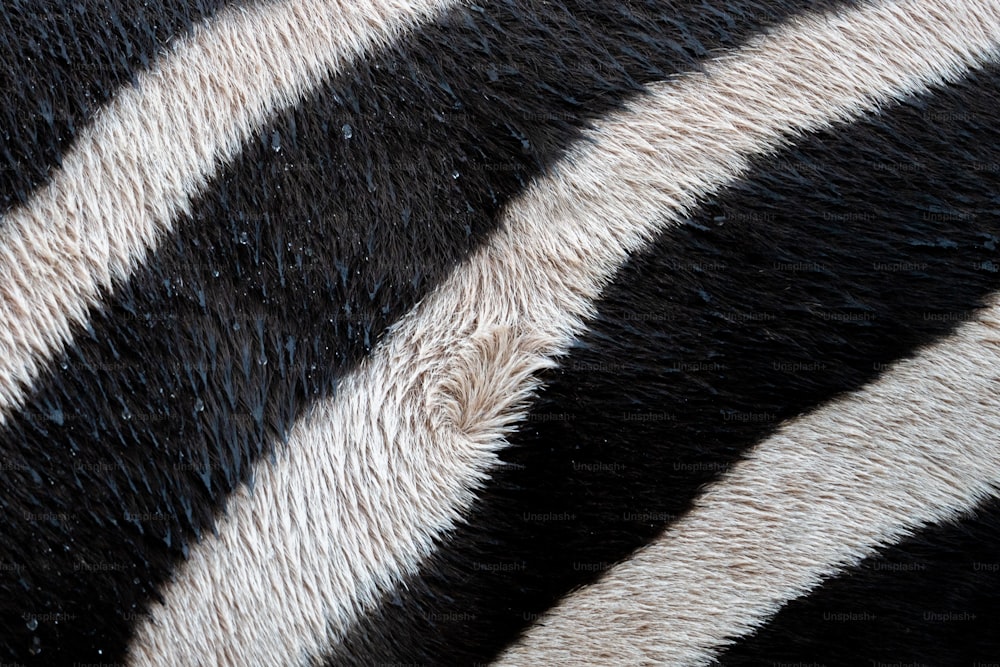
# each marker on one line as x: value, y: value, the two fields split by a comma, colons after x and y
x: 441, y: 333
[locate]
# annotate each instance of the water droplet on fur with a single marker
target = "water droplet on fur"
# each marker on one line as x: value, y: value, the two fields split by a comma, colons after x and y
x: 236, y: 326
x: 455, y: 175
x: 199, y: 405
x: 244, y: 238
x: 215, y: 274
x: 348, y: 131
x: 32, y: 624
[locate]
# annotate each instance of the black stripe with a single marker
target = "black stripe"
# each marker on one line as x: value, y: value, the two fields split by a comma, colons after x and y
x: 835, y: 257
x: 161, y: 407
x: 933, y: 599
x: 60, y: 60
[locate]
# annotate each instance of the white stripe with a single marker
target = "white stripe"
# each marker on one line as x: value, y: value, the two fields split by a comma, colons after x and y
x: 152, y: 150
x: 919, y: 446
x: 371, y: 478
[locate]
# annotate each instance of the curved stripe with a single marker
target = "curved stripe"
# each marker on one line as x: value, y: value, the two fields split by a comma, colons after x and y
x: 930, y: 600
x: 918, y: 446
x: 111, y: 202
x: 60, y: 61
x: 374, y: 477
x: 293, y: 261
x: 830, y: 260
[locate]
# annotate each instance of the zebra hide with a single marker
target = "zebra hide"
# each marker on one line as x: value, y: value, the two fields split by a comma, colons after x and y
x: 528, y: 332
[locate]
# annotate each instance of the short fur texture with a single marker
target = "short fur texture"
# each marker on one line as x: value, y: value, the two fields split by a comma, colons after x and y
x: 109, y: 203
x: 76, y: 56
x: 929, y: 599
x: 827, y: 490
x: 576, y: 331
x: 754, y: 311
x: 532, y: 284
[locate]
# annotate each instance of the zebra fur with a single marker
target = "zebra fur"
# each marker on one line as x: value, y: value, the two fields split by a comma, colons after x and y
x: 437, y: 333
